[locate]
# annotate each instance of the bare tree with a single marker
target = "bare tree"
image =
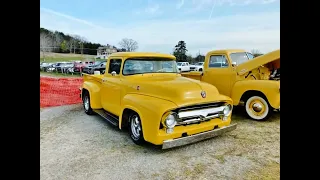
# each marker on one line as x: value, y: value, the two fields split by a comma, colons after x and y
x: 80, y: 40
x: 129, y: 44
x: 69, y: 45
x: 256, y: 52
x: 45, y: 44
x: 57, y: 40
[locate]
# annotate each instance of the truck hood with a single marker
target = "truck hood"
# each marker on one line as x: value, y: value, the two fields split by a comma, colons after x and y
x: 179, y: 90
x: 266, y: 59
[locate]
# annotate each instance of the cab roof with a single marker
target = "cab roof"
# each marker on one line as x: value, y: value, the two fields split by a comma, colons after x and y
x: 226, y: 51
x: 142, y: 54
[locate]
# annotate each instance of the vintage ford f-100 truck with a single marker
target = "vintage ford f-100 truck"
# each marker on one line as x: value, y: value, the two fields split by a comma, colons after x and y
x: 250, y: 81
x: 145, y: 93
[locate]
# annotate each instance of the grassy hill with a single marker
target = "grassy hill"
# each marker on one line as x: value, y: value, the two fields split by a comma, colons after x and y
x: 55, y: 57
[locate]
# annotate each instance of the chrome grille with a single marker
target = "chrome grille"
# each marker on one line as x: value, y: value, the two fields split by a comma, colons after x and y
x: 199, y: 113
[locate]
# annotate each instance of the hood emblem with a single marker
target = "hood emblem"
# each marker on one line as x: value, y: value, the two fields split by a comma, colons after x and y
x: 203, y: 94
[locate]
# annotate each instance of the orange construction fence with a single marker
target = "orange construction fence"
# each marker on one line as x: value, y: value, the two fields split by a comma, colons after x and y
x: 59, y: 91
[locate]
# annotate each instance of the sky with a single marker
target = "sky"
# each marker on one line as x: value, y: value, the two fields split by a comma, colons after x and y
x: 158, y: 25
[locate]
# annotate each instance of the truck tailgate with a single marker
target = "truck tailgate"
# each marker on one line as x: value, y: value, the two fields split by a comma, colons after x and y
x: 193, y: 75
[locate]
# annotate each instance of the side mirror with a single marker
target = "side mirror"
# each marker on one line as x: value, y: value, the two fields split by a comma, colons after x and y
x: 234, y: 64
x: 113, y: 73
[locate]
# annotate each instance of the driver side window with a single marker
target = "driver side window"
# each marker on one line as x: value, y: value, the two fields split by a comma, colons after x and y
x: 218, y: 61
x: 115, y: 65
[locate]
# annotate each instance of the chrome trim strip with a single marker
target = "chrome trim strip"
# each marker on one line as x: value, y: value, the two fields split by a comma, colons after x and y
x: 196, y: 120
x: 201, y: 112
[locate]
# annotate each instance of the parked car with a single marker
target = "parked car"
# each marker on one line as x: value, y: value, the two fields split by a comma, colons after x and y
x: 44, y: 65
x: 78, y: 66
x: 67, y: 67
x: 183, y: 66
x: 97, y: 66
x: 58, y: 66
x: 197, y: 67
x: 151, y: 103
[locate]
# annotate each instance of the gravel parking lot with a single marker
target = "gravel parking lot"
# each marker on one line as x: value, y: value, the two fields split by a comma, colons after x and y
x: 76, y: 146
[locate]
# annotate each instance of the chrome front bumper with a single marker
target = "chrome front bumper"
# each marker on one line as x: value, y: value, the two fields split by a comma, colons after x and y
x: 197, y: 137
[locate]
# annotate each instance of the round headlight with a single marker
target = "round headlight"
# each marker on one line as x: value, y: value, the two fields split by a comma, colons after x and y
x: 227, y: 110
x: 170, y: 121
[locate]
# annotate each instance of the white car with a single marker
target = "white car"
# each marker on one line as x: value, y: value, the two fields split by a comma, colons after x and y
x: 197, y: 67
x: 183, y: 66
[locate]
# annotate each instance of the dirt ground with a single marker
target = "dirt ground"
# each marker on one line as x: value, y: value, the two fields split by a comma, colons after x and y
x: 76, y: 146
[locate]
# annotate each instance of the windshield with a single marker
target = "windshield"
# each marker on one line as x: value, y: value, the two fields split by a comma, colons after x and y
x: 149, y: 65
x: 241, y: 57
x: 179, y: 64
x: 199, y: 63
x: 97, y: 62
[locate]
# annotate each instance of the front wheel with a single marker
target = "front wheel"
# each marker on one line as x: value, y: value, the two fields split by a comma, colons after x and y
x: 257, y: 108
x: 86, y: 103
x: 135, y: 130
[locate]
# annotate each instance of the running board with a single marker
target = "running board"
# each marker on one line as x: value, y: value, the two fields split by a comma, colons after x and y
x: 107, y: 116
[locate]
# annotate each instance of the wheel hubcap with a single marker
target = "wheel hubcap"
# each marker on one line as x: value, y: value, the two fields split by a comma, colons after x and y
x: 135, y: 126
x: 257, y: 107
x: 86, y: 102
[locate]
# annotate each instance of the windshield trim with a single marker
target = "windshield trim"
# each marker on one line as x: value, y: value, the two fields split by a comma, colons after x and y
x: 146, y: 59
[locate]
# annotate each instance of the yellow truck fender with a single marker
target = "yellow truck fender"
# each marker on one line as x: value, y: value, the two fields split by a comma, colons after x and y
x: 150, y: 110
x: 270, y: 89
x: 94, y: 92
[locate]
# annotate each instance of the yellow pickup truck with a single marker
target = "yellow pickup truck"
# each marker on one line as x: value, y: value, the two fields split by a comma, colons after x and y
x: 250, y: 81
x: 144, y: 93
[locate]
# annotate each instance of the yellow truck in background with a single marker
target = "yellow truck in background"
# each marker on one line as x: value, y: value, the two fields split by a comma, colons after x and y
x: 248, y: 80
x: 143, y: 92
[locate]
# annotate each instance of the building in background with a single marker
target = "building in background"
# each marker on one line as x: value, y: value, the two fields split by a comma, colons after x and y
x: 104, y: 51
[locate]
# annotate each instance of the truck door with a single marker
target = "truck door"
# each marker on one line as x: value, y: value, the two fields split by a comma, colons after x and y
x: 218, y: 72
x: 111, y: 87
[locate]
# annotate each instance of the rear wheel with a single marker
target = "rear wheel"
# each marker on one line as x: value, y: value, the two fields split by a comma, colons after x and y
x: 86, y: 103
x: 257, y: 108
x: 135, y: 129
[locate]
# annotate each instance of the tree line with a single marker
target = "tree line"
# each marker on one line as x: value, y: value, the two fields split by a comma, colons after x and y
x: 55, y: 41
x: 180, y: 52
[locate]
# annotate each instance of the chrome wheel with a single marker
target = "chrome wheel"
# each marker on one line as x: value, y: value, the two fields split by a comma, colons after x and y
x: 135, y: 126
x: 86, y: 103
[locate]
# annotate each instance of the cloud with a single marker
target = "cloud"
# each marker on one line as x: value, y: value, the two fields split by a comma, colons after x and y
x: 199, y: 5
x: 180, y: 4
x: 247, y: 31
x: 152, y: 9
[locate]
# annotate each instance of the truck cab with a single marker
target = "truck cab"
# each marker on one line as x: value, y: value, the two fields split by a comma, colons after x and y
x: 245, y: 78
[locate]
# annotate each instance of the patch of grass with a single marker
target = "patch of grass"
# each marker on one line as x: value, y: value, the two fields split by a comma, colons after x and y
x: 269, y: 172
x: 220, y: 158
x: 199, y: 168
x: 54, y: 74
x: 56, y: 57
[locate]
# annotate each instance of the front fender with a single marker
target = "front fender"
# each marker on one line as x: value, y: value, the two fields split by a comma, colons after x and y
x: 94, y: 91
x: 271, y: 89
x: 150, y: 110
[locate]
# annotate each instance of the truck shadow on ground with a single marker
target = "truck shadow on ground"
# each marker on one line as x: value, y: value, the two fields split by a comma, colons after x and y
x: 239, y: 116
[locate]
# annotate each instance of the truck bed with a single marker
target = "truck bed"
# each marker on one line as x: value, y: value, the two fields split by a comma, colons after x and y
x: 193, y: 75
x: 92, y: 77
